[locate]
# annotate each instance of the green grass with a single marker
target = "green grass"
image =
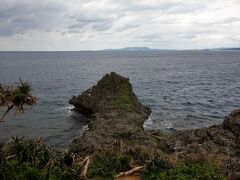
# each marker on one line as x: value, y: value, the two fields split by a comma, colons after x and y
x: 108, y: 165
x: 33, y: 160
x: 159, y: 170
x: 125, y: 99
x: 25, y: 171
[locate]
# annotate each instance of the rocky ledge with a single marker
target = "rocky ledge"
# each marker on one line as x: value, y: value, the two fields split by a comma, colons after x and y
x: 117, y: 117
x: 219, y: 144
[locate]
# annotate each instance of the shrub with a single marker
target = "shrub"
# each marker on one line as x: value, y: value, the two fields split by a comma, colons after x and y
x: 158, y: 171
x: 108, y: 165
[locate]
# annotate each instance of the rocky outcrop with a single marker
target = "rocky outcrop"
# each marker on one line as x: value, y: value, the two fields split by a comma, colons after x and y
x: 112, y: 93
x: 116, y: 116
x: 218, y: 144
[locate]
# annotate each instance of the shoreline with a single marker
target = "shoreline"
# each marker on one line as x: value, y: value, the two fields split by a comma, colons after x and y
x: 116, y: 142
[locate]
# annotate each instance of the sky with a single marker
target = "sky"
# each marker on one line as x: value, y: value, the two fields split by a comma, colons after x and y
x: 70, y: 25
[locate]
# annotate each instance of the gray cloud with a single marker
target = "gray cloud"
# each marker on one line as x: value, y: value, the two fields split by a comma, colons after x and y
x: 59, y: 24
x: 23, y: 16
x: 90, y: 21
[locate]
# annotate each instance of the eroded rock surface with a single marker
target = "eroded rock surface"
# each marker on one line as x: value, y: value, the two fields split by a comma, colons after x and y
x: 112, y: 93
x: 218, y: 144
x: 116, y: 115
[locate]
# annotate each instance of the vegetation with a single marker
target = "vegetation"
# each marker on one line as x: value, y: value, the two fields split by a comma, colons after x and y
x: 160, y: 170
x: 32, y: 159
x: 16, y: 96
x: 124, y: 100
x: 108, y: 165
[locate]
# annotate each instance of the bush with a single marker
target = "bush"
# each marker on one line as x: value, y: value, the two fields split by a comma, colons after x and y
x: 159, y: 171
x: 33, y: 160
x: 108, y: 165
x: 155, y: 168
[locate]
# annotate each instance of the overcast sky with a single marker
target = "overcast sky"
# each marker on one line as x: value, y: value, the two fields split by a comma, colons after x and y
x: 100, y: 24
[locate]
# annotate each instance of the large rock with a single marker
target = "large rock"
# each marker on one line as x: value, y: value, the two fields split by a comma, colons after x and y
x: 115, y: 115
x: 112, y: 93
x: 118, y: 116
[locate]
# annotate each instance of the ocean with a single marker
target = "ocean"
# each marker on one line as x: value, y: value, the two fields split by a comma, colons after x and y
x: 185, y: 89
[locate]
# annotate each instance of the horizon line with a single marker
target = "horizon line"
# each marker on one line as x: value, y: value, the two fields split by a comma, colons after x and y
x: 125, y: 49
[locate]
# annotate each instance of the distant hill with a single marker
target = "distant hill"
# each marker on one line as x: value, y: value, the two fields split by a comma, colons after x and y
x: 134, y: 49
x: 223, y: 49
x: 150, y: 49
x: 230, y: 49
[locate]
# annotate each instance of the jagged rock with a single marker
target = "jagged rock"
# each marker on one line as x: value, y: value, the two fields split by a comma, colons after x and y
x: 113, y: 92
x: 115, y: 115
x: 218, y: 144
x: 118, y: 116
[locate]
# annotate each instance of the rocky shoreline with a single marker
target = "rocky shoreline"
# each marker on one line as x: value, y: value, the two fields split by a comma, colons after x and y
x: 123, y: 124
x: 115, y: 141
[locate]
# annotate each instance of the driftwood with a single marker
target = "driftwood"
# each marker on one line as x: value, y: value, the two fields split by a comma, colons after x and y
x: 85, y: 164
x: 132, y: 171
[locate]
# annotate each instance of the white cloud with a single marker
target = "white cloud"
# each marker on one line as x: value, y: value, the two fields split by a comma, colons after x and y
x: 99, y: 24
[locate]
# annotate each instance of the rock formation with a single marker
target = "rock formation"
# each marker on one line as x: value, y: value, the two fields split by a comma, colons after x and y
x: 111, y: 94
x: 218, y: 144
x: 116, y: 115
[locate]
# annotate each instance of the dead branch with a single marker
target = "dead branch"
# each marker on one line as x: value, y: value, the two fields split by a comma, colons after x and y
x: 85, y: 160
x: 132, y: 171
x: 10, y: 157
x: 86, y: 163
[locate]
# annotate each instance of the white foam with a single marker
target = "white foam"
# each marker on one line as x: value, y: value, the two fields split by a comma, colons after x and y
x: 148, y: 123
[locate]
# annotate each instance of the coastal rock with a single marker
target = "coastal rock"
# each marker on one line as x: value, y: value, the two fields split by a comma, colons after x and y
x: 116, y: 115
x: 218, y: 144
x: 113, y: 92
x: 232, y: 122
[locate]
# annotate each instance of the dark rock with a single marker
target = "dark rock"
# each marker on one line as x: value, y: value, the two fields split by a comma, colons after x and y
x: 112, y: 92
x: 232, y: 122
x: 217, y: 144
x: 116, y: 115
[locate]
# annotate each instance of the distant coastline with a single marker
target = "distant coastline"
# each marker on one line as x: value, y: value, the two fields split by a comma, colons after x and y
x: 150, y: 49
x: 136, y: 49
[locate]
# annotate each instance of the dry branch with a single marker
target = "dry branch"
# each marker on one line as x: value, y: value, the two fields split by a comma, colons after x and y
x: 86, y: 163
x: 132, y: 171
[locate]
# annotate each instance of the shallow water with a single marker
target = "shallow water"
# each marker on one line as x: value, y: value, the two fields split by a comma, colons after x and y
x: 185, y: 89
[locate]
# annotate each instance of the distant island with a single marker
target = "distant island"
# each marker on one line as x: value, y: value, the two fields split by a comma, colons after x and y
x: 136, y: 49
x: 151, y: 49
x: 226, y: 49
